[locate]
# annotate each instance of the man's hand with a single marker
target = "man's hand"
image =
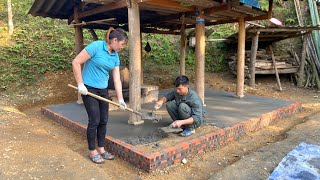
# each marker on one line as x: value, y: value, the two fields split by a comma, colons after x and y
x: 123, y: 104
x: 157, y: 106
x: 177, y: 124
x: 82, y: 89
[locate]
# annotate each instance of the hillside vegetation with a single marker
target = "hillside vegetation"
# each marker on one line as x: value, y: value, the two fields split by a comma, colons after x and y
x: 40, y: 45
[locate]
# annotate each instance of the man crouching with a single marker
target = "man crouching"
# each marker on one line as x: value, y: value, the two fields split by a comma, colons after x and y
x: 184, y: 106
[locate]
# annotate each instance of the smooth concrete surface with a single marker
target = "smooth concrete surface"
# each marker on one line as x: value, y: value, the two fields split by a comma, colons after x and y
x: 223, y: 109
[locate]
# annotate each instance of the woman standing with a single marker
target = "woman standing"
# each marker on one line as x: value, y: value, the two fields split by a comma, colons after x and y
x: 99, y: 57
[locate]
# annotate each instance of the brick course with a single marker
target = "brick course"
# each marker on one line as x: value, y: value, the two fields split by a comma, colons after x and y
x: 173, y: 155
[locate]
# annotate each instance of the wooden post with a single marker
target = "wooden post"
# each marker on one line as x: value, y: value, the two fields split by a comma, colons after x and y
x: 135, y: 62
x: 253, y: 55
x: 241, y: 57
x: 183, y: 47
x: 200, y: 54
x: 93, y: 34
x: 275, y: 67
x: 301, y: 79
x: 78, y: 33
x: 142, y: 60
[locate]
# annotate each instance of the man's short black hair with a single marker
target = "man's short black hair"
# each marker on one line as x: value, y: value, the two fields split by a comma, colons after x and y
x: 181, y: 80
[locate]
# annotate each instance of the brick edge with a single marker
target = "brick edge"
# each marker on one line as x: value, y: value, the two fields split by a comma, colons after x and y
x: 174, y: 154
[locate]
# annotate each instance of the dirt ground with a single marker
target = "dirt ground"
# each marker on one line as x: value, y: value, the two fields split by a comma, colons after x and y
x: 35, y: 147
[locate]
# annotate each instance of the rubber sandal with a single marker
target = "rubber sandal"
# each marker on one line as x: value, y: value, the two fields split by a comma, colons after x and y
x: 97, y: 159
x: 187, y: 132
x: 108, y: 156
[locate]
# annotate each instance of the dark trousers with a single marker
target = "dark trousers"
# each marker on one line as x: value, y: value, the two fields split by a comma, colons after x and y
x: 98, y: 114
x: 181, y: 112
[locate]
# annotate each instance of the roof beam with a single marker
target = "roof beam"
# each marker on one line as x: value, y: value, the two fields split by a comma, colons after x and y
x: 202, y: 3
x: 157, y: 31
x: 98, y: 1
x: 104, y: 8
x: 167, y: 5
x: 216, y: 9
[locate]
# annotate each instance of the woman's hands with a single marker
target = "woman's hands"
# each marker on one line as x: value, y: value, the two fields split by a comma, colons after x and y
x: 123, y: 104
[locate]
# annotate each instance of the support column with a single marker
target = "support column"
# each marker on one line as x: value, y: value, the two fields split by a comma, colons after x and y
x: 142, y: 59
x: 200, y: 54
x: 253, y: 56
x: 78, y: 33
x: 241, y: 57
x: 183, y: 47
x: 135, y: 62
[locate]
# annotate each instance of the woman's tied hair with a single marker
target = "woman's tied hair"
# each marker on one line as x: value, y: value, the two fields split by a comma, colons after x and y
x: 118, y: 33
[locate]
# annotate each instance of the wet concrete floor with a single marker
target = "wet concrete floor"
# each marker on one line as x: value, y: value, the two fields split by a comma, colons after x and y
x: 223, y: 109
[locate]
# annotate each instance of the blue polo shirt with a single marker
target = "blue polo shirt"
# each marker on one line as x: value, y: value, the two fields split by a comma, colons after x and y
x: 95, y: 71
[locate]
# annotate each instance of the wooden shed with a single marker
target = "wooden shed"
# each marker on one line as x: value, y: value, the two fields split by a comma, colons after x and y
x: 157, y: 16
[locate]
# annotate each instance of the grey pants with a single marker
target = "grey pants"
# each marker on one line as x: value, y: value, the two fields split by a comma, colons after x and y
x: 180, y: 113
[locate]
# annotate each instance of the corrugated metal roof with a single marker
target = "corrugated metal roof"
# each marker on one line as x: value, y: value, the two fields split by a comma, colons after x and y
x: 154, y: 15
x: 58, y: 9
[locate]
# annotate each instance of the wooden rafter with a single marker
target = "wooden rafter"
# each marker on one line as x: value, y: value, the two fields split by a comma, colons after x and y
x: 99, y: 1
x: 202, y: 3
x: 166, y: 5
x: 214, y: 10
x: 104, y: 8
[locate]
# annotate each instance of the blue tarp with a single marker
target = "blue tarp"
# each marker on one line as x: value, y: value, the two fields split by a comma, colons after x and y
x: 303, y: 162
x: 253, y: 3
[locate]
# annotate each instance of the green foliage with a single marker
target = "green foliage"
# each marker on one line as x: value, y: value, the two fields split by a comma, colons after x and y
x: 164, y: 48
x: 47, y: 45
x: 264, y: 4
x: 40, y: 45
x: 285, y: 12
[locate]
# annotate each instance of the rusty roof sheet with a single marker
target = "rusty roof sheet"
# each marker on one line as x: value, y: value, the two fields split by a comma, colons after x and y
x: 164, y: 15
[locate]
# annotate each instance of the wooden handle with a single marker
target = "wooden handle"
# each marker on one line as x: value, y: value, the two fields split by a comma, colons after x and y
x: 106, y: 100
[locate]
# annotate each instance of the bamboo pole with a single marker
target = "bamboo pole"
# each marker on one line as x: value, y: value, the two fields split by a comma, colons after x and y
x: 135, y: 62
x: 183, y: 47
x: 241, y: 57
x: 200, y: 54
x: 253, y: 56
x: 275, y: 67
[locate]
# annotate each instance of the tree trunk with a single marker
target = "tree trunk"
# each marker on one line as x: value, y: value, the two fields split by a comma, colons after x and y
x: 10, y: 21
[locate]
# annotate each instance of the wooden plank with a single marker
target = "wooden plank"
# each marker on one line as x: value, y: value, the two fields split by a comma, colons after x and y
x: 285, y: 29
x: 261, y: 64
x: 134, y: 63
x: 275, y: 68
x: 99, y: 1
x: 280, y: 71
x: 201, y: 3
x: 241, y: 58
x: 216, y: 9
x: 157, y: 31
x: 253, y: 56
x: 225, y: 21
x: 168, y: 5
x: 281, y: 66
x: 104, y: 8
x: 248, y: 10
